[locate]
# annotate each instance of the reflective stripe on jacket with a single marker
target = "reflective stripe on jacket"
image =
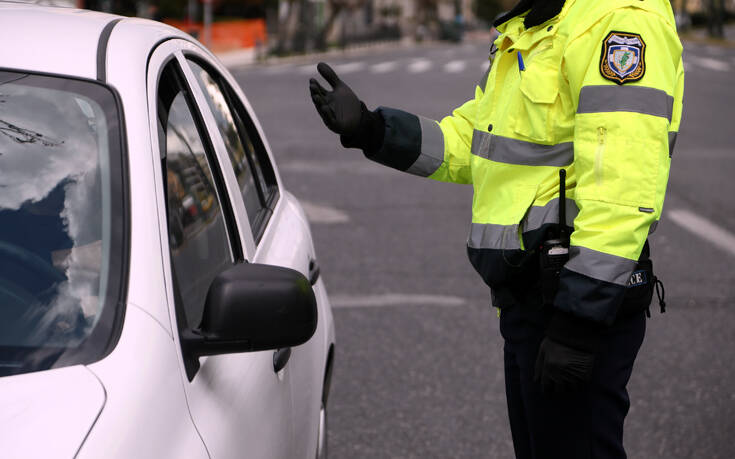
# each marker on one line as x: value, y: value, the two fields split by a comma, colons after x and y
x: 601, y: 96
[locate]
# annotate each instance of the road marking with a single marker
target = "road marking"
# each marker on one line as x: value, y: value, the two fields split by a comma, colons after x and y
x: 323, y: 214
x: 454, y: 66
x: 334, y: 167
x: 484, y: 66
x: 307, y: 69
x: 392, y: 300
x: 709, y: 63
x: 349, y: 67
x: 277, y: 69
x: 384, y: 67
x: 714, y: 50
x: 704, y: 228
x: 420, y: 65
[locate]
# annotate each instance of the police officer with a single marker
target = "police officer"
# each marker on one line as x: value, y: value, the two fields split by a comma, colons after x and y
x: 592, y: 88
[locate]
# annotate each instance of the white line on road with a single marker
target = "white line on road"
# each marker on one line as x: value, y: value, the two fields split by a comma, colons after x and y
x: 323, y: 214
x: 484, y: 66
x: 455, y: 66
x: 384, y: 67
x: 350, y: 67
x: 419, y: 66
x: 709, y: 63
x: 393, y: 299
x: 704, y: 228
x: 307, y: 69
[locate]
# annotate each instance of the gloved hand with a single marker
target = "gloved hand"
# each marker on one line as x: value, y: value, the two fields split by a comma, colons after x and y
x: 340, y: 108
x: 560, y: 368
x: 566, y: 356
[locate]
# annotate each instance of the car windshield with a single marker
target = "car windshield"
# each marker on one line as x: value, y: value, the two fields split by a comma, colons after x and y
x: 59, y: 200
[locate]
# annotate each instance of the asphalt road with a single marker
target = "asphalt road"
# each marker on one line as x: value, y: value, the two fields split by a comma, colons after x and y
x: 419, y: 360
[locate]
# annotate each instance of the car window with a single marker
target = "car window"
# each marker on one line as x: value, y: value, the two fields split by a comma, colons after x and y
x: 246, y: 152
x: 62, y: 223
x: 197, y: 225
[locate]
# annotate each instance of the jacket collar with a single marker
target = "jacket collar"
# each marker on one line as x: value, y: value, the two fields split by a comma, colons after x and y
x: 539, y: 11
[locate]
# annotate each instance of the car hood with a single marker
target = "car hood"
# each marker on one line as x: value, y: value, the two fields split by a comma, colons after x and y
x: 48, y: 413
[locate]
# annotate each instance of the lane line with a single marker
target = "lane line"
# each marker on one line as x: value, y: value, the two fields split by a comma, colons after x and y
x: 709, y: 63
x: 384, y: 67
x: 704, y: 228
x: 420, y: 66
x: 317, y: 213
x: 455, y: 66
x: 307, y: 69
x: 484, y: 66
x: 393, y: 300
x: 349, y: 67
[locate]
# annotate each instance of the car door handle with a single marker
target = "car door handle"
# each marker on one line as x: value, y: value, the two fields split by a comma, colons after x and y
x: 313, y: 271
x: 280, y: 358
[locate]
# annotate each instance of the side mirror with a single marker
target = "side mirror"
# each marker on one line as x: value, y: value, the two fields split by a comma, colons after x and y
x: 253, y: 307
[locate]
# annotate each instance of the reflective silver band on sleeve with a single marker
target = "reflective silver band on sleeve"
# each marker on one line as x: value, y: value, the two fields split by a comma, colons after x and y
x: 432, y: 149
x: 492, y: 236
x: 672, y: 142
x: 599, y: 265
x: 615, y: 98
x: 538, y: 216
x: 513, y: 151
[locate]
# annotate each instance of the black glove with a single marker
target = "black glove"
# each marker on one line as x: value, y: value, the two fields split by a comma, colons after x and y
x: 566, y: 356
x: 340, y: 108
x: 560, y: 368
x: 345, y: 114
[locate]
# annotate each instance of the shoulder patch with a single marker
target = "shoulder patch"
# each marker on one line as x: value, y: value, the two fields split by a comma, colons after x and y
x: 623, y: 57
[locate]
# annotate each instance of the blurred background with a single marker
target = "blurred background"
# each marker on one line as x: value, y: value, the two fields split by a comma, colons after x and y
x: 283, y: 27
x: 418, y: 369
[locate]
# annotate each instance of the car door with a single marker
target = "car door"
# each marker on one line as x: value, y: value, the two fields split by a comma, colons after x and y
x: 239, y: 404
x: 280, y: 234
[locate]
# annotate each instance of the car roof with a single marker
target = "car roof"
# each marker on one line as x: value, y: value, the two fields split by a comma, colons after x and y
x: 68, y: 41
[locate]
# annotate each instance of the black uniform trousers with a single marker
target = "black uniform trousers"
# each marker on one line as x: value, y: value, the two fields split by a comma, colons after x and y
x: 586, y: 424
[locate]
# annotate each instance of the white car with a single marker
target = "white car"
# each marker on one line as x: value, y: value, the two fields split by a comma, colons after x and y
x: 159, y: 291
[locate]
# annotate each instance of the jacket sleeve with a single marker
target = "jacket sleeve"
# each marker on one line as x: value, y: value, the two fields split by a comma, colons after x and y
x: 427, y: 148
x: 622, y: 136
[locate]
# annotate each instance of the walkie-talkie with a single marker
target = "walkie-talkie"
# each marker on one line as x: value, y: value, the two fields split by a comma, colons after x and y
x: 555, y: 251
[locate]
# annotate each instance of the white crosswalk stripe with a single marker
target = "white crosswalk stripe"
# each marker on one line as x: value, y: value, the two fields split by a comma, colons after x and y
x: 709, y: 63
x: 307, y: 69
x: 420, y: 65
x: 384, y: 67
x: 455, y: 66
x: 350, y: 67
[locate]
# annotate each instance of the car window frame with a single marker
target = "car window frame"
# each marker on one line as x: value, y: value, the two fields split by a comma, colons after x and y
x: 264, y: 188
x: 239, y: 106
x: 221, y: 157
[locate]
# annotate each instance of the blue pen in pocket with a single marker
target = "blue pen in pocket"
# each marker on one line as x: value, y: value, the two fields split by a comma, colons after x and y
x: 521, y: 65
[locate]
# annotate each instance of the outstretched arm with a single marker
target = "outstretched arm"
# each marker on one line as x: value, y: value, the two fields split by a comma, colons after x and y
x: 395, y: 138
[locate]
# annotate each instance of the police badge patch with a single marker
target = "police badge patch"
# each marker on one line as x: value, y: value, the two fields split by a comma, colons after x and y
x: 623, y: 57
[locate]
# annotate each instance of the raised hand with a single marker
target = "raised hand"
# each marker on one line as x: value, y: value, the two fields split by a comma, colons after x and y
x: 340, y: 108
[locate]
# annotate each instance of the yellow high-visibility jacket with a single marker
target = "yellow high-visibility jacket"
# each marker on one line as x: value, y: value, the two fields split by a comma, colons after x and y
x: 596, y: 90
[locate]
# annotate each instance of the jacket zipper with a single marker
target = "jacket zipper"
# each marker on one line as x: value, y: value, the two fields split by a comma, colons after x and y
x: 601, y: 139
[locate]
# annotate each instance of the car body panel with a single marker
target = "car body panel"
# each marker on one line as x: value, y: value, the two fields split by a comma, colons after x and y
x: 288, y: 243
x: 145, y: 415
x: 48, y: 39
x: 63, y: 404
